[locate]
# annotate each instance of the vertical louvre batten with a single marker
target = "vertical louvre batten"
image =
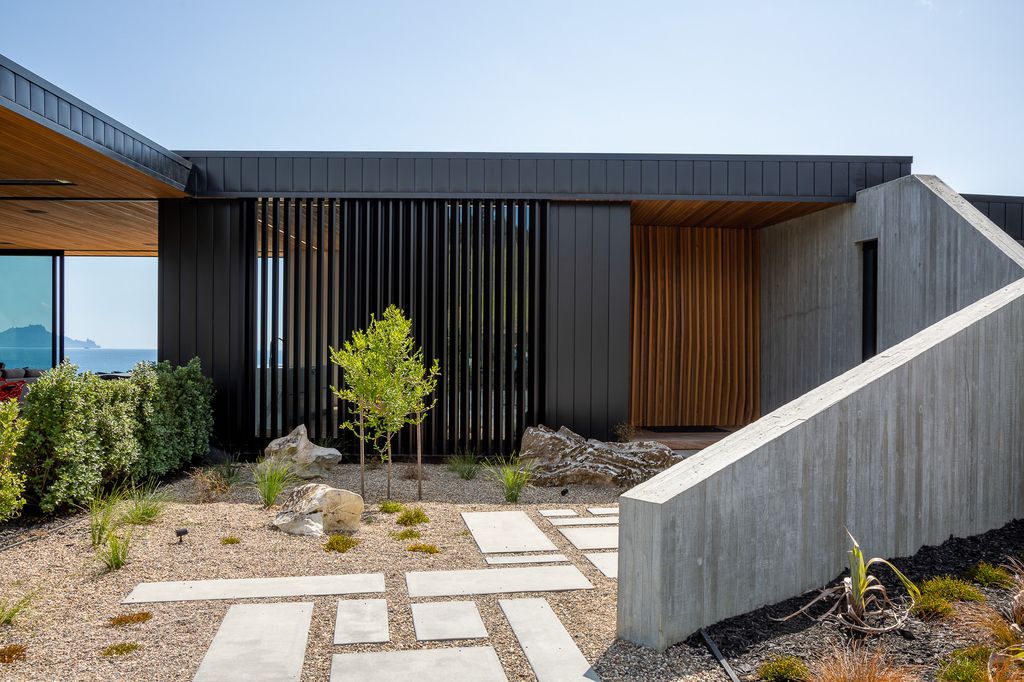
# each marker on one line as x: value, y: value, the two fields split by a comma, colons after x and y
x: 466, y: 272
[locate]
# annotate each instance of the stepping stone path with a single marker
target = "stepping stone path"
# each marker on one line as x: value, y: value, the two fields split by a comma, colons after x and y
x: 597, y: 537
x: 258, y: 643
x: 495, y: 581
x: 510, y: 531
x: 587, y: 521
x: 606, y: 562
x: 476, y: 664
x: 598, y: 511
x: 549, y: 648
x: 361, y: 621
x: 446, y: 620
x: 527, y: 559
x: 557, y: 512
x: 252, y: 588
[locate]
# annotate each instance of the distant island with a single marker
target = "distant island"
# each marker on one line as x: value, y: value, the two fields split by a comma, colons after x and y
x: 37, y: 336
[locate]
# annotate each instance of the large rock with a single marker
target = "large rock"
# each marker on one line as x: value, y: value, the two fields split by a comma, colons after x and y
x: 308, y: 459
x: 563, y: 457
x: 315, y: 509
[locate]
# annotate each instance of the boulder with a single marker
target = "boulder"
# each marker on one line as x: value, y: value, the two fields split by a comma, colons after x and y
x: 315, y: 509
x: 308, y: 459
x: 563, y: 457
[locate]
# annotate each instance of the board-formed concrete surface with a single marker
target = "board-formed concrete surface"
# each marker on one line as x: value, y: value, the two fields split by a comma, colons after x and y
x: 455, y: 664
x: 447, y: 620
x: 896, y: 449
x: 495, y: 581
x: 506, y: 531
x: 606, y: 562
x: 527, y: 559
x: 598, y: 511
x: 592, y: 537
x: 256, y: 588
x: 557, y: 512
x: 549, y: 648
x: 607, y: 520
x: 258, y: 643
x: 361, y: 621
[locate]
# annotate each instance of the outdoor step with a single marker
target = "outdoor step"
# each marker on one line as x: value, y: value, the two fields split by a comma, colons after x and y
x: 455, y: 664
x: 549, y: 648
x: 258, y: 643
x: 496, y: 581
x: 256, y: 588
x: 447, y: 620
x: 606, y: 562
x: 506, y: 531
x: 592, y: 537
x: 361, y: 621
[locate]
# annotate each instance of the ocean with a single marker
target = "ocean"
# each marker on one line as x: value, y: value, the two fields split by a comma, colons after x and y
x: 109, y: 359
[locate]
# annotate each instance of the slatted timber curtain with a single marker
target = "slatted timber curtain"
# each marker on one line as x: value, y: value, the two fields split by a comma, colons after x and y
x: 696, y: 326
x: 466, y: 273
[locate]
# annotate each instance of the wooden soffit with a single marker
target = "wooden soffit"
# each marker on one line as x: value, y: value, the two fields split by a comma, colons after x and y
x: 718, y: 213
x: 80, y: 228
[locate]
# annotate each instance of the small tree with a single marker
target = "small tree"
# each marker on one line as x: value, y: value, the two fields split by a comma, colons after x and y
x: 420, y: 382
x: 382, y: 383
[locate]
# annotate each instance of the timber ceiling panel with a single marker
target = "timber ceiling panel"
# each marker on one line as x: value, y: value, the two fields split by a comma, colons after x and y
x: 29, y: 150
x: 736, y: 214
x: 80, y: 228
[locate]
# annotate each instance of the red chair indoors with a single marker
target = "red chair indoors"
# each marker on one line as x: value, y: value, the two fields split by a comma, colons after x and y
x: 11, y: 390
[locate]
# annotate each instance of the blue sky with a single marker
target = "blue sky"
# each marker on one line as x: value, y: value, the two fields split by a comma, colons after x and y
x: 936, y: 79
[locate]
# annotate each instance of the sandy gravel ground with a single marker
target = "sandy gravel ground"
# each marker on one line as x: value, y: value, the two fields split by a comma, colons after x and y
x: 66, y: 628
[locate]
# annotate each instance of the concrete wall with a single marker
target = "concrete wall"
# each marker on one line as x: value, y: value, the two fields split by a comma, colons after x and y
x: 923, y: 441
x: 936, y: 254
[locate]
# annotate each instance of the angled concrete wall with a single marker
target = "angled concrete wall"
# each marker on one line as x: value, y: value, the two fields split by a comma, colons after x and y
x: 936, y: 254
x: 923, y: 441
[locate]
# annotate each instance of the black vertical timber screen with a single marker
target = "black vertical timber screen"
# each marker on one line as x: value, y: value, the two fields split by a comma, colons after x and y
x: 468, y: 274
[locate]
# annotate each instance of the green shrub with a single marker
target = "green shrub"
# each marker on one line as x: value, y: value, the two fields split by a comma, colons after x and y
x: 114, y: 554
x: 12, y: 652
x: 987, y: 575
x: 407, y: 534
x: 423, y: 547
x: 512, y: 475
x: 390, y: 507
x: 966, y: 665
x: 950, y: 589
x: 175, y: 416
x: 465, y: 464
x: 271, y: 476
x: 783, y: 669
x: 144, y: 504
x: 412, y: 517
x: 121, y: 649
x: 84, y: 433
x: 11, y: 608
x: 931, y: 607
x: 340, y: 543
x: 12, y: 483
x: 61, y: 455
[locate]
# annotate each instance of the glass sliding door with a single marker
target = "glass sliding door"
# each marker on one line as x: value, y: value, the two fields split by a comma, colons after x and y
x: 31, y: 312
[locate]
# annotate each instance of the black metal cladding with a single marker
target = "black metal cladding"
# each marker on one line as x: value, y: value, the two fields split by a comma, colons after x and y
x: 1006, y: 212
x: 607, y: 177
x: 466, y: 272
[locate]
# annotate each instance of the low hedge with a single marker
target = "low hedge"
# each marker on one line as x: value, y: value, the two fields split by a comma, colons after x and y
x: 84, y: 432
x: 12, y: 483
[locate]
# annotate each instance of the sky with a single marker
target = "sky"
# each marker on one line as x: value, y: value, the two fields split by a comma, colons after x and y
x: 936, y: 79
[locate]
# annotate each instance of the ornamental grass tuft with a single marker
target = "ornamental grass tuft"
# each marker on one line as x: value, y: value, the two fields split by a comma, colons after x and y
x: 129, y: 619
x: 340, y: 543
x: 412, y: 517
x: 966, y: 665
x: 466, y: 465
x: 423, y: 547
x: 230, y: 540
x: 860, y: 665
x: 783, y: 669
x: 407, y: 534
x: 144, y: 504
x: 11, y: 608
x: 987, y: 575
x: 951, y: 589
x: 390, y: 507
x: 512, y: 475
x: 12, y: 652
x: 114, y: 554
x: 121, y: 649
x: 931, y: 607
x: 271, y: 477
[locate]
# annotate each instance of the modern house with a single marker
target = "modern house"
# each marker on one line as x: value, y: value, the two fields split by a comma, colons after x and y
x: 857, y: 320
